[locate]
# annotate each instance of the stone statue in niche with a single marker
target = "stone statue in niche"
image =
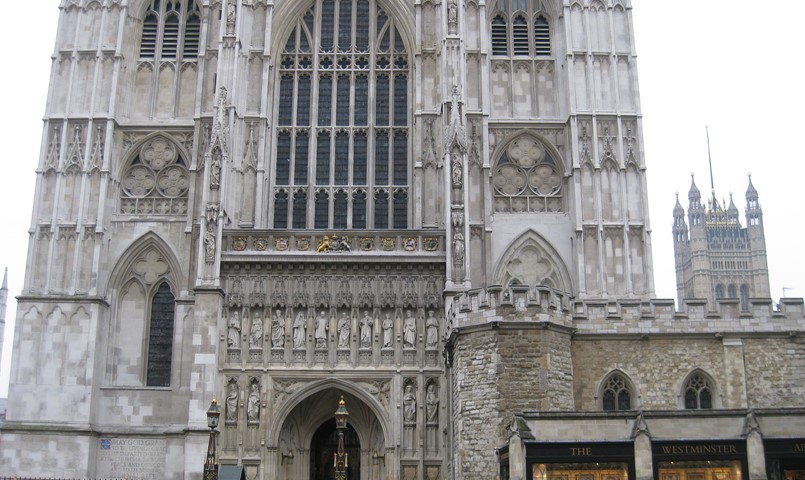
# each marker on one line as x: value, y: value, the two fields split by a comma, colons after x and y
x: 299, y: 328
x: 215, y: 169
x: 452, y: 17
x: 343, y: 330
x: 431, y: 331
x: 253, y: 405
x: 278, y: 330
x: 409, y: 404
x: 209, y: 246
x: 458, y: 248
x: 366, y: 330
x: 233, y: 331
x: 256, y: 334
x: 409, y: 330
x: 320, y: 332
x: 432, y: 404
x: 388, y: 331
x: 456, y: 169
x: 231, y: 17
x: 232, y: 403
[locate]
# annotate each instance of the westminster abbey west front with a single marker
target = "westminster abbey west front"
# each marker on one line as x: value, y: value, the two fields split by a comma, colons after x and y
x: 435, y: 209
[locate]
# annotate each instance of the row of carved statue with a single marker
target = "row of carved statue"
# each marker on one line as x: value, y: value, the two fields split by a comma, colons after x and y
x: 365, y: 327
x: 253, y: 402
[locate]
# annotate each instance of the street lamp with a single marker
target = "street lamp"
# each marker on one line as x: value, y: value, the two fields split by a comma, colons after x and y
x: 341, y: 459
x: 210, y: 468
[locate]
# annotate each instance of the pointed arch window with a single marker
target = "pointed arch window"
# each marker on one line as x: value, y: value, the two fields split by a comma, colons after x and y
x: 698, y: 392
x: 343, y: 93
x: 616, y: 395
x: 160, y: 337
x: 156, y: 181
x: 520, y: 28
x: 171, y: 30
x: 528, y: 178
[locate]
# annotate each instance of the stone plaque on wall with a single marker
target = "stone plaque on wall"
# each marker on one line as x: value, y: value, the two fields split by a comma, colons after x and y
x: 133, y: 458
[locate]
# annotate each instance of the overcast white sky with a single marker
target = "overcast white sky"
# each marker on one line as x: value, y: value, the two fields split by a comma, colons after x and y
x: 732, y: 66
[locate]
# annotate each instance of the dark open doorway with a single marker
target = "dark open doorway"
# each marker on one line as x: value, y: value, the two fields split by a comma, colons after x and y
x: 325, y: 444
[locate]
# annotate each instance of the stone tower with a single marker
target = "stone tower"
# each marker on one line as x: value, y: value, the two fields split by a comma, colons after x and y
x: 716, y: 257
x: 278, y: 203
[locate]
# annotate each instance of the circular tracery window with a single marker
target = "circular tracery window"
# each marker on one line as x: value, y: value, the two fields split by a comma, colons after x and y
x: 527, y: 179
x: 156, y: 182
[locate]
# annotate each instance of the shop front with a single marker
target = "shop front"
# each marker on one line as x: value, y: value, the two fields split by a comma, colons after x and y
x: 700, y: 460
x: 580, y: 461
x: 785, y: 458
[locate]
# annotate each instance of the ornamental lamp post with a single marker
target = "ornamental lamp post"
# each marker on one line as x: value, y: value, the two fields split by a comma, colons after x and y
x: 210, y: 468
x: 341, y: 459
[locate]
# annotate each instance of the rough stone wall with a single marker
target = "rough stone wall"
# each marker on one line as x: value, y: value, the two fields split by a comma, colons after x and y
x: 476, y: 405
x: 655, y: 366
x: 775, y: 372
x: 535, y: 371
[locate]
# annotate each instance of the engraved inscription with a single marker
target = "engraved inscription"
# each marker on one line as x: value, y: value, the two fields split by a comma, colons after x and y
x: 134, y: 458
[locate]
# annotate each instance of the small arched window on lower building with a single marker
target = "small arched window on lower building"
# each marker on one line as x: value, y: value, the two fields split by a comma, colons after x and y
x: 160, y: 337
x: 616, y: 393
x: 698, y: 392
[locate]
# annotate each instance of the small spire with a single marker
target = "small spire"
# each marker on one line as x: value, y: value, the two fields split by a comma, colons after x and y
x: 5, y: 280
x: 678, y: 210
x: 751, y: 193
x: 693, y: 193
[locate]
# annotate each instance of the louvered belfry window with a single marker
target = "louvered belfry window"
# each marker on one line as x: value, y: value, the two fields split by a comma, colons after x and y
x: 171, y: 30
x: 342, y: 137
x: 520, y: 28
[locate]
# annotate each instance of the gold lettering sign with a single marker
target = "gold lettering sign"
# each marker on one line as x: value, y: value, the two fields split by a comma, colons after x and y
x: 581, y: 452
x: 799, y: 447
x: 698, y: 449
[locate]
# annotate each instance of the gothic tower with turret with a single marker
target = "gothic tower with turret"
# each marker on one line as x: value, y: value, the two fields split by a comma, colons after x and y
x: 716, y: 257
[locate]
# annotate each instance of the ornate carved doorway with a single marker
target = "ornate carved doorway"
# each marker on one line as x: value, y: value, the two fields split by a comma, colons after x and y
x: 325, y: 444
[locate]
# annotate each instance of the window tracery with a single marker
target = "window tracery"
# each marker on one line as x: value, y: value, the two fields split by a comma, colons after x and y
x: 616, y: 395
x: 343, y: 120
x: 527, y: 178
x: 698, y: 393
x: 156, y: 181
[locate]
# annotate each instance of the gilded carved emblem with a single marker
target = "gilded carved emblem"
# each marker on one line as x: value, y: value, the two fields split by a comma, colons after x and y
x: 239, y: 244
x: 409, y: 244
x: 333, y: 243
x: 431, y: 244
x: 260, y: 244
x: 387, y: 243
x: 302, y: 244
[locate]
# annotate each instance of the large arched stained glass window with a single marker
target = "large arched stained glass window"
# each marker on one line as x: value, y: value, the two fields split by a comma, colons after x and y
x: 343, y: 115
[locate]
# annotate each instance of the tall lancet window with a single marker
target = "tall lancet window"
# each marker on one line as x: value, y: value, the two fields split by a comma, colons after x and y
x: 171, y: 30
x: 520, y: 28
x: 343, y: 119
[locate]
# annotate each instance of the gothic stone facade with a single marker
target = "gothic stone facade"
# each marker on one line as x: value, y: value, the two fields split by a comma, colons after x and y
x: 435, y: 209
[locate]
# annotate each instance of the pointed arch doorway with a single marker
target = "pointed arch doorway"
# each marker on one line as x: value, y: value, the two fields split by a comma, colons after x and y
x: 307, y: 439
x: 323, y: 447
